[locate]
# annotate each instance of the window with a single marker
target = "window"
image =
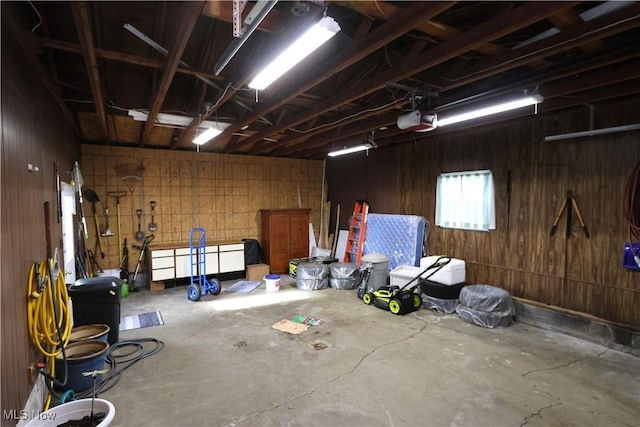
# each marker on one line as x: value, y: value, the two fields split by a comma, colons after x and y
x: 465, y: 200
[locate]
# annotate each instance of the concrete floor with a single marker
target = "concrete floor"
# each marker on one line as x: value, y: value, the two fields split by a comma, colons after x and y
x: 223, y: 365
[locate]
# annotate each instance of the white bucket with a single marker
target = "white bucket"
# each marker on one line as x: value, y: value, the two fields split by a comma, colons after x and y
x: 74, y: 410
x: 272, y: 281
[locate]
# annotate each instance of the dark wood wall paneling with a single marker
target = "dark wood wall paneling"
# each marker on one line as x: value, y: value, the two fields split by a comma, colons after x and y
x: 520, y: 255
x: 33, y: 131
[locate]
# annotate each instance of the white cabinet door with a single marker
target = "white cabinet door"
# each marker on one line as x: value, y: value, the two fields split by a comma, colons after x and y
x: 183, y: 266
x: 163, y: 274
x: 211, y: 259
x: 231, y: 258
x: 162, y: 264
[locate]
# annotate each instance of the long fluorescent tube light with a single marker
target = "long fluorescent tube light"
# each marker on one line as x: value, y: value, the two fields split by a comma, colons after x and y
x: 350, y: 150
x: 494, y: 109
x: 206, y: 136
x: 175, y: 120
x: 592, y: 132
x: 312, y: 39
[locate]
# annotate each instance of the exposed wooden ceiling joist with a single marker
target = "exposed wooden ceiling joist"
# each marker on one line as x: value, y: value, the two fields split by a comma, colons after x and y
x: 396, y: 26
x: 81, y: 17
x: 124, y: 57
x: 188, y: 17
x: 483, y: 33
x: 447, y: 54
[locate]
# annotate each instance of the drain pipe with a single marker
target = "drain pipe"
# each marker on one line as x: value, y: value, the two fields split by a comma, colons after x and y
x: 234, y: 47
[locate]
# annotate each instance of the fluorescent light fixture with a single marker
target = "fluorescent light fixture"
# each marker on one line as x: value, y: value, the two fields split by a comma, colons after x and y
x: 175, y: 120
x: 487, y: 111
x: 209, y: 129
x: 593, y: 132
x: 315, y: 37
x: 206, y: 136
x: 350, y: 150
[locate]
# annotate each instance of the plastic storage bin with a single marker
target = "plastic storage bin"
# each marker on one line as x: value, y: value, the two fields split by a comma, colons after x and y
x: 97, y: 300
x: 451, y: 274
x: 403, y: 274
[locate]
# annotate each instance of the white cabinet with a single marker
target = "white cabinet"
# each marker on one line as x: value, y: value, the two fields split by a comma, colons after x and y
x: 173, y: 261
x: 231, y: 257
x: 162, y: 264
x: 183, y: 262
x: 211, y: 260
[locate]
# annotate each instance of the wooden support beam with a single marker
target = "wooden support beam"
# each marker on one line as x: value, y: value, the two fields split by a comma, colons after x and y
x: 508, y: 23
x: 187, y: 21
x: 392, y: 29
x: 83, y: 26
x: 604, y: 26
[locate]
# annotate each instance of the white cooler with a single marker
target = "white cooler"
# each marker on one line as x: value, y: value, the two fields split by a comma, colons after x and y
x: 451, y: 274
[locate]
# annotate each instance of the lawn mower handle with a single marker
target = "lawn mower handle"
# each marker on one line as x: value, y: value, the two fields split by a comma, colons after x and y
x: 437, y: 264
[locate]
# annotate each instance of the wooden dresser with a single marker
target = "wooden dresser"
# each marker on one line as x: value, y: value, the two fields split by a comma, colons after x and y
x: 285, y: 235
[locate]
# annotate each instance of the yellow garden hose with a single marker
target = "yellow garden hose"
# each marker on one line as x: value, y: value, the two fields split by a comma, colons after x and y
x: 49, y: 315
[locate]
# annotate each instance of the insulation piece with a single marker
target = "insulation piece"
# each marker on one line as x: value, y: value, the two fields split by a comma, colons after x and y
x: 445, y: 306
x: 312, y: 276
x: 487, y: 298
x: 484, y: 318
x: 344, y: 275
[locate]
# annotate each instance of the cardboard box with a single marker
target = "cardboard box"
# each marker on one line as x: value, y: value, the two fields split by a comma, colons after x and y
x: 156, y: 286
x: 257, y: 271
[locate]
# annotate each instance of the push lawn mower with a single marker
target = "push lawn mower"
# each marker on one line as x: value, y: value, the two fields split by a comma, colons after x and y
x: 396, y: 299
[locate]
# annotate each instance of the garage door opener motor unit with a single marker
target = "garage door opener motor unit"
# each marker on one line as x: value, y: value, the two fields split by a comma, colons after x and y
x: 401, y: 300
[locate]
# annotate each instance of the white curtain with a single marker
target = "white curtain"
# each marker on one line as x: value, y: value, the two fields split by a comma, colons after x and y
x: 466, y: 200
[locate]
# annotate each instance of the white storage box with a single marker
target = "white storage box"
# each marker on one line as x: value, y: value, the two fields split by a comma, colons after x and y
x: 402, y: 274
x: 451, y: 274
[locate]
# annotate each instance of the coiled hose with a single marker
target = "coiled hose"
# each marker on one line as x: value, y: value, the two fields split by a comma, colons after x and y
x: 48, y: 313
x: 49, y: 322
x: 631, y: 208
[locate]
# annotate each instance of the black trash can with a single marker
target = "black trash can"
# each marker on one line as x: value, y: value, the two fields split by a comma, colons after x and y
x: 251, y: 252
x: 96, y: 300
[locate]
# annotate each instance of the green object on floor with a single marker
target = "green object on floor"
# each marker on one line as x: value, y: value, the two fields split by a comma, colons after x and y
x: 124, y: 290
x: 305, y: 320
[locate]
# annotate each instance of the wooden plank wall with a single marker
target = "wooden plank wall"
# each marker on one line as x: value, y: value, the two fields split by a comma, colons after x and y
x: 520, y: 255
x: 33, y: 131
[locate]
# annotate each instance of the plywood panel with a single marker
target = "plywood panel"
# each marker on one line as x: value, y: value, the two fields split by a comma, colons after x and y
x: 218, y: 192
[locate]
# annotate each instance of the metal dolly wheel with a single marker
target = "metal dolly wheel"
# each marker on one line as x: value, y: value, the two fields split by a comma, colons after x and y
x: 199, y: 284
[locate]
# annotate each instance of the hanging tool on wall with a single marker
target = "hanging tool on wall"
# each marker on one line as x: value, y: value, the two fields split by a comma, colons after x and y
x: 58, y: 191
x: 107, y: 231
x: 152, y: 225
x: 78, y: 182
x: 569, y: 204
x: 92, y: 197
x: 139, y: 234
x: 118, y: 195
x: 95, y: 267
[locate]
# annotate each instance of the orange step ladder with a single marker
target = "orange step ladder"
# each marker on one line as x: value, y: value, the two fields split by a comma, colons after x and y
x: 357, y: 232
